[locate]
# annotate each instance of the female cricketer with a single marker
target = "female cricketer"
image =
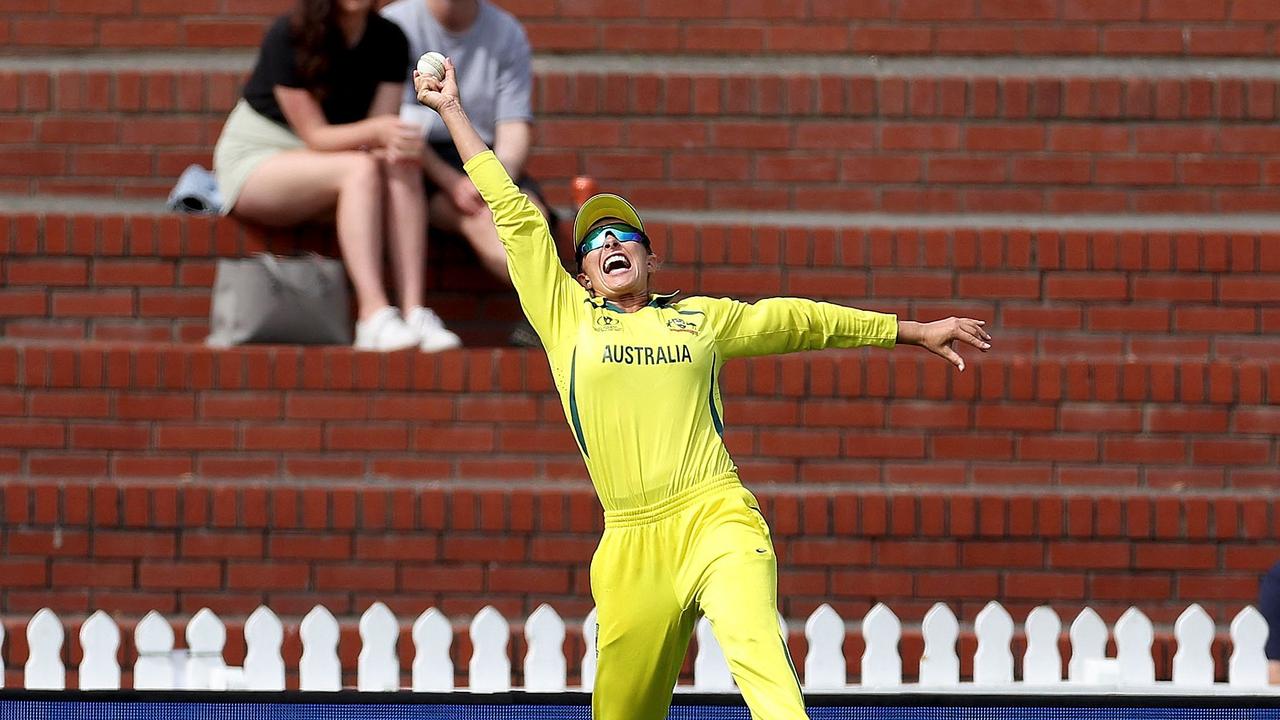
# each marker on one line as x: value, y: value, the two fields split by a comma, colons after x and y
x: 637, y: 375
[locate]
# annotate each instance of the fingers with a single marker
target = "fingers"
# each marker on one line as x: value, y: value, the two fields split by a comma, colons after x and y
x: 966, y: 336
x: 972, y: 335
x: 424, y: 86
x: 975, y: 326
x: 970, y: 331
x: 946, y: 352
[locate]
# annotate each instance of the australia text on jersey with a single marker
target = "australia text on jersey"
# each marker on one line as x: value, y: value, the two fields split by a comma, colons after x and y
x: 646, y: 355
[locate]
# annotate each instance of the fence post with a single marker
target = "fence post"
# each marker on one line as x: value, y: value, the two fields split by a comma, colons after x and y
x: 319, y: 668
x: 153, y: 637
x: 1088, y: 642
x: 206, y: 636
x: 993, y: 662
x: 263, y: 663
x: 544, y: 665
x: 940, y: 665
x: 378, y: 668
x: 490, y: 667
x: 432, y: 638
x: 1193, y: 662
x: 1042, y: 663
x: 1247, y: 666
x: 881, y: 663
x: 100, y: 640
x: 1134, y: 637
x: 44, y: 669
x: 825, y: 667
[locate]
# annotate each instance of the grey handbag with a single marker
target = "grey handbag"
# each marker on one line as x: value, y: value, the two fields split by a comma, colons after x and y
x: 289, y: 300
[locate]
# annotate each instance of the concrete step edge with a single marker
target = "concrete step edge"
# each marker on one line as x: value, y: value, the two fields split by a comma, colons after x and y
x: 1155, y: 222
x: 239, y: 59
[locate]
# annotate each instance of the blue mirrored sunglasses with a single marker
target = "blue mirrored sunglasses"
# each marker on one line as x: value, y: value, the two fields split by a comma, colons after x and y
x: 597, y: 238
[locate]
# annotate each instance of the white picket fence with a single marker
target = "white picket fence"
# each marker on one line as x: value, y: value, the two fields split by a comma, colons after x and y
x: 201, y: 665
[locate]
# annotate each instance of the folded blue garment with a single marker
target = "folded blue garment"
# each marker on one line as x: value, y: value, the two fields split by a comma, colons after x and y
x: 196, y: 193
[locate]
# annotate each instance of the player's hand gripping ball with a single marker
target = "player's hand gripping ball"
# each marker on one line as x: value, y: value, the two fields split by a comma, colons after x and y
x: 431, y: 65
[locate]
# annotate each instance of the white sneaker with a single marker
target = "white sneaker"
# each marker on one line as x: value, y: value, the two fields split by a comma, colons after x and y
x: 435, y: 336
x: 385, y: 331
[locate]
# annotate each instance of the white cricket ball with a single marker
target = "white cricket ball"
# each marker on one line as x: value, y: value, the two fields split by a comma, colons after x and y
x: 431, y: 64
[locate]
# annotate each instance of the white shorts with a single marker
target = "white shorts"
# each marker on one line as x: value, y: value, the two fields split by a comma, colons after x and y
x: 247, y: 139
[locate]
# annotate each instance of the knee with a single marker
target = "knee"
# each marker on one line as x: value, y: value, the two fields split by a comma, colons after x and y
x: 404, y: 174
x: 480, y: 225
x: 362, y: 170
x: 482, y: 233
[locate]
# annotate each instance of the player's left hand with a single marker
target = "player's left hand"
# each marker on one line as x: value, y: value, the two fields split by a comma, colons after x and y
x: 434, y: 93
x: 939, y: 337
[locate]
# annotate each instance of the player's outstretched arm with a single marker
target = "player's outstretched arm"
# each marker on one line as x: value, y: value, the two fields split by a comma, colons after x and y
x: 549, y: 295
x: 940, y: 336
x: 783, y: 325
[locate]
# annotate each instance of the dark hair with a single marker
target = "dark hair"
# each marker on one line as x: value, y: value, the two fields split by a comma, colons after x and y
x: 316, y: 37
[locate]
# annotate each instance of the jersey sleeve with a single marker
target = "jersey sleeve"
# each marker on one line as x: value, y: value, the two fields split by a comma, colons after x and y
x: 783, y: 325
x: 550, y: 297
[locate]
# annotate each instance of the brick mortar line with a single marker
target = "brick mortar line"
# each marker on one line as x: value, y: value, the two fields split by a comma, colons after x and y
x: 772, y: 489
x: 1155, y: 222
x: 733, y: 66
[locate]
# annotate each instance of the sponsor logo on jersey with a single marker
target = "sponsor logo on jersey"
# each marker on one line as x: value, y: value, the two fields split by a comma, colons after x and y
x: 645, y: 355
x: 607, y: 323
x: 682, y: 325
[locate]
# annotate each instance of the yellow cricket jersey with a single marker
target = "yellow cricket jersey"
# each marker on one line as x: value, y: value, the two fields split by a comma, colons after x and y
x: 640, y: 389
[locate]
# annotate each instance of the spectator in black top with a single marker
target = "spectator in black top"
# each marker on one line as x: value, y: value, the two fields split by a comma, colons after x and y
x: 318, y: 131
x: 1269, y: 604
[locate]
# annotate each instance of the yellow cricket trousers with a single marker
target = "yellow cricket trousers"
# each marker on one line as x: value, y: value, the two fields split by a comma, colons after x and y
x: 705, y: 550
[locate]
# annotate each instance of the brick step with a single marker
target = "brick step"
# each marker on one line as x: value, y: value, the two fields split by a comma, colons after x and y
x: 177, y: 546
x: 126, y: 410
x: 1245, y: 28
x: 144, y: 276
x: 1082, y: 294
x: 803, y: 142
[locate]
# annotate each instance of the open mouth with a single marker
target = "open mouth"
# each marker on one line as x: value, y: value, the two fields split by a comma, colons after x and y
x: 616, y: 263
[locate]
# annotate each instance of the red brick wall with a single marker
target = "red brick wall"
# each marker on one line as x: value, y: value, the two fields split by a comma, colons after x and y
x: 129, y: 547
x: 1105, y: 294
x: 845, y: 417
x: 907, y: 27
x: 1058, y: 144
x: 1204, y: 28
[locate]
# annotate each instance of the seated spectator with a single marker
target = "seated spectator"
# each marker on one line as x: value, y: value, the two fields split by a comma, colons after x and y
x: 491, y: 47
x: 1269, y: 604
x: 317, y: 133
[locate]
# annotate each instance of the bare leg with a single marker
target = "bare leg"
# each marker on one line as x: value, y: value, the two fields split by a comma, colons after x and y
x: 478, y: 229
x: 296, y: 186
x: 407, y: 229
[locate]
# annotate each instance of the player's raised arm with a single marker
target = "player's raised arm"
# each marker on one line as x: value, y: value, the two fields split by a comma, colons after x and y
x: 549, y: 296
x: 441, y: 94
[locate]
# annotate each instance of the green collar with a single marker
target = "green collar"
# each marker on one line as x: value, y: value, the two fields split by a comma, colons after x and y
x: 656, y: 300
